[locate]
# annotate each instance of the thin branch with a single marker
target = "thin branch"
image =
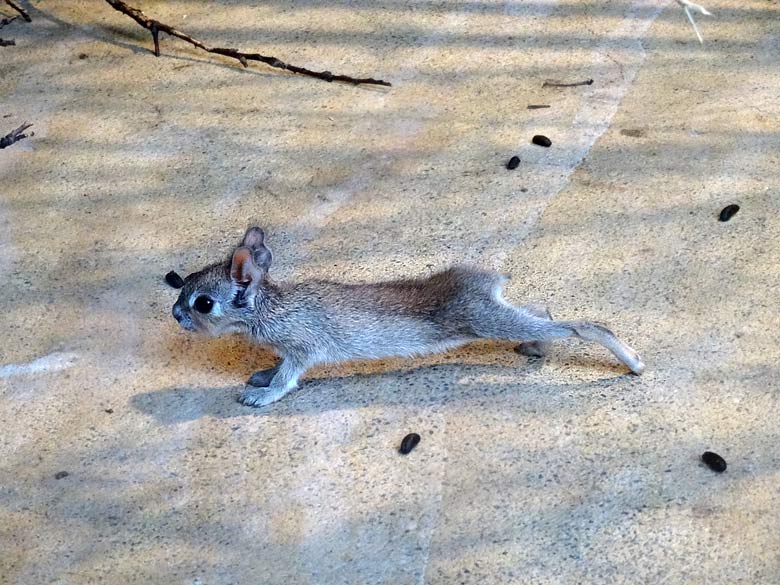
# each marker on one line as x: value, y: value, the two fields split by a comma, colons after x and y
x: 687, y: 7
x: 550, y: 83
x: 19, y: 9
x: 693, y: 23
x: 14, y: 136
x: 155, y: 27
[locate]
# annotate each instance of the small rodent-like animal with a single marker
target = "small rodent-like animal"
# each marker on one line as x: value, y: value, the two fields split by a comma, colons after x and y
x: 317, y: 322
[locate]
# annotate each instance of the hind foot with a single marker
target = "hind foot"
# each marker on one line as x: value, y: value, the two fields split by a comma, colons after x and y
x: 536, y: 349
x: 262, y: 378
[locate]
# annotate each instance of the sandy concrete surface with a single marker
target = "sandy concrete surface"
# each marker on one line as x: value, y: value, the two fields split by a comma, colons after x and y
x: 561, y: 471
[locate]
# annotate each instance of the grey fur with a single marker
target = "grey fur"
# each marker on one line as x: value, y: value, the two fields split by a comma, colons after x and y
x: 317, y: 322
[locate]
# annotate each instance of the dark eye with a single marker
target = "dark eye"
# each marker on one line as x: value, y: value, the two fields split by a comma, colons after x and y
x: 203, y: 304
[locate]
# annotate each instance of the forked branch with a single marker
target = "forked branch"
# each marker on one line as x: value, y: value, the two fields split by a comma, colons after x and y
x: 155, y: 27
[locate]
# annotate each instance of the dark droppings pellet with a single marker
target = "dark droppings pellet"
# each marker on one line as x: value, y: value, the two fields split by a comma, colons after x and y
x: 728, y: 212
x: 174, y: 280
x: 541, y: 140
x: 714, y: 461
x: 513, y: 163
x: 61, y: 474
x: 410, y: 442
x: 633, y: 132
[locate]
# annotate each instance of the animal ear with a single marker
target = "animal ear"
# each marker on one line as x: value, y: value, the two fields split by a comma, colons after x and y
x: 243, y: 269
x: 262, y: 257
x: 253, y: 238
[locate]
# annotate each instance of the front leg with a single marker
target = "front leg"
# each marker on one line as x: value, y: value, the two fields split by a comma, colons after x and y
x: 285, y: 379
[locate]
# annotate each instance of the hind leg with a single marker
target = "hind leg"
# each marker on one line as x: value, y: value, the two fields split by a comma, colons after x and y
x: 500, y: 320
x: 262, y: 378
x: 537, y: 349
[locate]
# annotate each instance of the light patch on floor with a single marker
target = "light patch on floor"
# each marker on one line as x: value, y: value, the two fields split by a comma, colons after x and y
x: 54, y: 362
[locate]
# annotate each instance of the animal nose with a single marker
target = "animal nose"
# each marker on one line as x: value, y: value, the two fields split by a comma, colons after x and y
x: 177, y: 314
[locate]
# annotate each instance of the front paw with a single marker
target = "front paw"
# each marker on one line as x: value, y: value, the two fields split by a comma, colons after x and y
x: 258, y: 397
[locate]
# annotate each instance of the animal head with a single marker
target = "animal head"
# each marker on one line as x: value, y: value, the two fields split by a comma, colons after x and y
x: 222, y: 297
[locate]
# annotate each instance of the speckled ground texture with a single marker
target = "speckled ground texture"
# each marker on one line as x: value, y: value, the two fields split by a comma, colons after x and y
x: 561, y: 471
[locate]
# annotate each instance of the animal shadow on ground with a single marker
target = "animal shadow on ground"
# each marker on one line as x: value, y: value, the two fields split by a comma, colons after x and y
x: 477, y: 372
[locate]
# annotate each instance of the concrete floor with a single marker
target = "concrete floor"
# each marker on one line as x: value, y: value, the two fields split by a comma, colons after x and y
x: 566, y: 471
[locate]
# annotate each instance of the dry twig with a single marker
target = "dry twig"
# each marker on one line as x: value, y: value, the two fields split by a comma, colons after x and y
x: 19, y: 9
x: 14, y: 136
x: 156, y: 27
x: 550, y: 83
x: 687, y: 7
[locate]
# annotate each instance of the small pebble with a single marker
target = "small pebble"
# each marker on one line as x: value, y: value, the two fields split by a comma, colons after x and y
x: 541, y: 140
x: 410, y: 442
x: 109, y: 411
x: 714, y: 461
x: 83, y: 55
x: 513, y: 163
x: 728, y: 212
x: 174, y: 280
x: 61, y: 474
